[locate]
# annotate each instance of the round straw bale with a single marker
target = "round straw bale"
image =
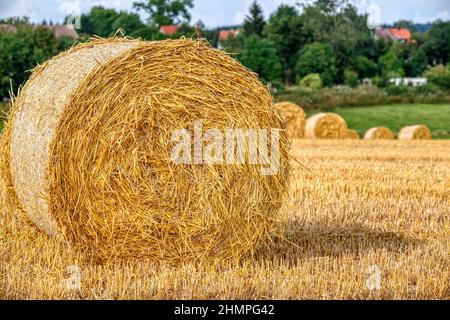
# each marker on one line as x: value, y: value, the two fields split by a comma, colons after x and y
x: 379, y: 133
x: 89, y: 144
x: 418, y: 132
x: 326, y: 126
x: 352, y: 135
x: 294, y: 117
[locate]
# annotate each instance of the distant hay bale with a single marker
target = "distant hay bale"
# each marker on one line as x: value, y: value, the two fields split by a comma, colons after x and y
x: 418, y: 132
x: 88, y: 144
x: 326, y: 126
x: 379, y: 133
x: 352, y: 135
x: 294, y: 117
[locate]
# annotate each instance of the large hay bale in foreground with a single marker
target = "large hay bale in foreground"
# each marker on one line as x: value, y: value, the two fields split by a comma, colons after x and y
x: 89, y: 149
x: 379, y: 133
x: 418, y: 132
x: 326, y: 126
x: 352, y: 135
x: 294, y: 117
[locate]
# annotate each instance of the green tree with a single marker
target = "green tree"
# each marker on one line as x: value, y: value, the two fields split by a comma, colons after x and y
x: 44, y: 44
x: 85, y: 24
x: 351, y: 78
x: 260, y: 55
x: 150, y: 32
x: 407, y: 24
x: 331, y: 7
x: 285, y: 29
x: 416, y: 63
x: 437, y: 45
x: 166, y: 12
x: 365, y: 67
x: 99, y: 21
x: 17, y: 21
x: 339, y: 24
x: 351, y: 38
x: 254, y: 22
x: 323, y: 16
x: 234, y: 44
x: 65, y: 43
x: 20, y: 52
x: 184, y: 30
x: 317, y: 58
x: 129, y: 22
x: 390, y: 65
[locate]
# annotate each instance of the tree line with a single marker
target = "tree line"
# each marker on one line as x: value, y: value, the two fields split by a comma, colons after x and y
x: 328, y: 43
x: 315, y: 44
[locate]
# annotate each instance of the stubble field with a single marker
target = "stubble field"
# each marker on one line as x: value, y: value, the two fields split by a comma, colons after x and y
x: 364, y: 220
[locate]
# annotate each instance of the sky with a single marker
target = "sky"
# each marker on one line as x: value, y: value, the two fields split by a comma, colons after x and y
x: 227, y: 12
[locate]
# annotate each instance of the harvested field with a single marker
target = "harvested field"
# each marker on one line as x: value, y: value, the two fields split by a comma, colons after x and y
x: 367, y: 220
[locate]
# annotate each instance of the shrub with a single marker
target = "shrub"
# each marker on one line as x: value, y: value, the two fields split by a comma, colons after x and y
x: 317, y: 58
x: 350, y: 78
x: 437, y: 71
x: 394, y: 90
x: 337, y: 97
x: 442, y: 82
x: 429, y: 88
x: 278, y: 84
x: 439, y: 76
x: 312, y: 81
x: 379, y: 81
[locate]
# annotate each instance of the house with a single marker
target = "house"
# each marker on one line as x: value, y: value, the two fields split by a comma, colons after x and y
x: 168, y: 30
x: 224, y: 35
x: 415, y: 82
x: 8, y: 28
x: 64, y: 31
x: 401, y: 35
x: 59, y: 30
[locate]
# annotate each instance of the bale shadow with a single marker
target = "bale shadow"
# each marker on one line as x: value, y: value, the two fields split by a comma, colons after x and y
x: 302, y: 241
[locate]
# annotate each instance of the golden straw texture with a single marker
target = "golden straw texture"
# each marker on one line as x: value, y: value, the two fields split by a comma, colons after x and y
x: 89, y: 148
x: 294, y: 117
x: 352, y: 135
x: 326, y: 126
x: 418, y: 132
x: 379, y: 133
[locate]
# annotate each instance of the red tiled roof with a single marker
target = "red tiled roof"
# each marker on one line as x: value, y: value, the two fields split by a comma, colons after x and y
x: 168, y: 30
x: 225, y: 34
x: 401, y: 34
x: 394, y: 34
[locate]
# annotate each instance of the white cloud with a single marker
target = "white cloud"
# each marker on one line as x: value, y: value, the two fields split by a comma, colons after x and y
x: 238, y: 18
x: 443, y: 15
x: 14, y: 8
x: 70, y: 7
